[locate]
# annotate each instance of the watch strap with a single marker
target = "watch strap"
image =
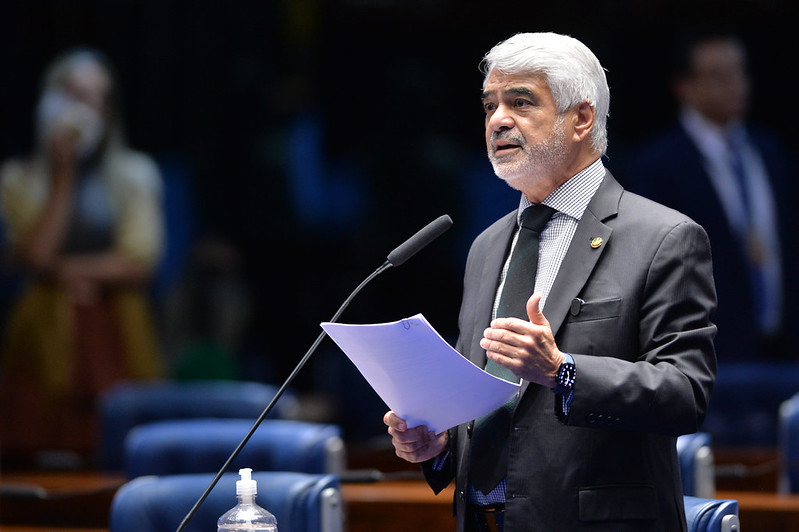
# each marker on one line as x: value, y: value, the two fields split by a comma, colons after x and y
x: 566, y: 376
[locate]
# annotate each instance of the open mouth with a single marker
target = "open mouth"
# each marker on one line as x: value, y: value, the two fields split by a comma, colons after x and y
x: 504, y: 147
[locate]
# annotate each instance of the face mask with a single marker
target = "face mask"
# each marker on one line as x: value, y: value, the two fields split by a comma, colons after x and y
x: 57, y: 111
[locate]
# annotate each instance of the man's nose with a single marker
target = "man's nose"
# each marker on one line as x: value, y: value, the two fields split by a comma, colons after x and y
x: 501, y: 119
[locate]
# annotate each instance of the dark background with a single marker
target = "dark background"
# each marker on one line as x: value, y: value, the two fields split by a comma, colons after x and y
x: 375, y: 104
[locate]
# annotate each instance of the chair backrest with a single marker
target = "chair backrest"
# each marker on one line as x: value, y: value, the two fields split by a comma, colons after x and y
x: 789, y: 445
x: 711, y: 515
x: 202, y: 445
x: 301, y: 502
x: 130, y: 404
x: 743, y: 410
x: 697, y: 467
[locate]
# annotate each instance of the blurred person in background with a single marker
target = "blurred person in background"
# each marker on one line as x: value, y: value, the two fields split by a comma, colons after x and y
x: 734, y: 179
x: 85, y: 228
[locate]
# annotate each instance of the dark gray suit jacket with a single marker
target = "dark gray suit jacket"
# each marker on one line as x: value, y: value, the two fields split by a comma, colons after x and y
x: 642, y: 340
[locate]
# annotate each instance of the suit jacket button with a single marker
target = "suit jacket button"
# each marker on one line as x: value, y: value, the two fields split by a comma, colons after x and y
x: 461, y: 496
x: 470, y: 429
x: 591, y: 418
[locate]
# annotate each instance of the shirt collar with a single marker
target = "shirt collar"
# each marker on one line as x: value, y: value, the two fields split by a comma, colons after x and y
x: 573, y: 196
x: 710, y: 137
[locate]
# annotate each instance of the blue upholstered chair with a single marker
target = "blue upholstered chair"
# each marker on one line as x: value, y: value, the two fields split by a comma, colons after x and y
x: 711, y: 515
x: 131, y: 404
x: 301, y: 502
x: 746, y: 398
x: 697, y: 467
x: 789, y: 445
x: 202, y: 445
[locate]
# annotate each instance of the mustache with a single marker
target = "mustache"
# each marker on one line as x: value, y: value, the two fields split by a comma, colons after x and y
x: 507, y: 136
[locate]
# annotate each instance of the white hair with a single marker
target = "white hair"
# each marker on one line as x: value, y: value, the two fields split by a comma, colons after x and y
x: 572, y: 71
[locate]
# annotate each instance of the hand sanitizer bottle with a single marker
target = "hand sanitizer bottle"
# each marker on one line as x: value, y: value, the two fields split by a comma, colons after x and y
x: 247, y: 516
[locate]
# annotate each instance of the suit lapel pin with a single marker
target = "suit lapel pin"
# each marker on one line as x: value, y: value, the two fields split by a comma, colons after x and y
x: 596, y: 242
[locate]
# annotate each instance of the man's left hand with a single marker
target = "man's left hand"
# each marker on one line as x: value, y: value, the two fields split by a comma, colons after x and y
x: 527, y: 348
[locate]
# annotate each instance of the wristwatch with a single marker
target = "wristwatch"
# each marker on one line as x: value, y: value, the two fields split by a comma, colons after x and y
x: 567, y: 374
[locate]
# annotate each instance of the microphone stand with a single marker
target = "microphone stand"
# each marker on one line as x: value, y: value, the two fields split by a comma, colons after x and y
x: 383, y: 267
x: 398, y: 256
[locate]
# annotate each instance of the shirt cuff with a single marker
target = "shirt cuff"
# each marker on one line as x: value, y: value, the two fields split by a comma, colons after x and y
x: 441, y: 461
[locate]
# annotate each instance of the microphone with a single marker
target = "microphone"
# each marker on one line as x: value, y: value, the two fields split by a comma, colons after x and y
x: 397, y: 257
x: 424, y: 236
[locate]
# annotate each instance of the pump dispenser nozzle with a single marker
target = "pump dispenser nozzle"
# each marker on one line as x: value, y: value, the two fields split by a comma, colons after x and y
x: 246, y: 486
x: 247, y: 516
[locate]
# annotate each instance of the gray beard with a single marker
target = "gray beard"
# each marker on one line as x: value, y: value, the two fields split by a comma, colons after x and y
x: 537, y: 162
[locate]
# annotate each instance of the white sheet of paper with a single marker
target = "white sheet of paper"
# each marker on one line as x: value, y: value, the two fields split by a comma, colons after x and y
x: 418, y: 374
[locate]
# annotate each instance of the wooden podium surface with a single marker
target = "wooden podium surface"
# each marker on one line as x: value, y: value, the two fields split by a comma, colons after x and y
x: 80, y: 501
x: 56, y: 499
x: 765, y: 511
x: 398, y: 506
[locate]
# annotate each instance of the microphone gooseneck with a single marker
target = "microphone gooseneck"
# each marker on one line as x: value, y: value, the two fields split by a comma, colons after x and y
x: 399, y: 255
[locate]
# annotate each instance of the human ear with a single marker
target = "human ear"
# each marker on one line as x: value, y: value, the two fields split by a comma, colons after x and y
x: 584, y: 114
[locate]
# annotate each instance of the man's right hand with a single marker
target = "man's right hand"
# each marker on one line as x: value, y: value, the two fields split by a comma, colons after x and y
x: 415, y: 444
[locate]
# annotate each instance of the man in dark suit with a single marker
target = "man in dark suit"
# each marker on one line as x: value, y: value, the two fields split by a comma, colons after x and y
x: 614, y: 344
x: 734, y: 179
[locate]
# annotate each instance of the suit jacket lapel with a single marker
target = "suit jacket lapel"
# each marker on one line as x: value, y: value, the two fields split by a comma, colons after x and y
x: 581, y: 257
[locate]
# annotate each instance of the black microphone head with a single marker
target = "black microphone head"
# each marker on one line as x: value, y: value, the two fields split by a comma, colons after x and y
x: 424, y: 236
